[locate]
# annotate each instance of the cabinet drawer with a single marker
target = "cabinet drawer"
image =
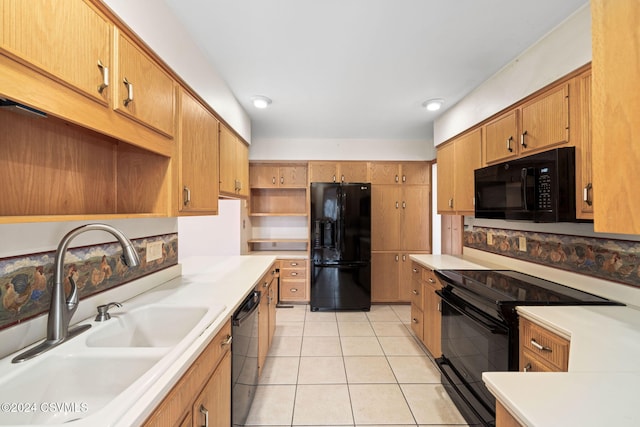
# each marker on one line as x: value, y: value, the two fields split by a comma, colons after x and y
x: 293, y: 273
x: 293, y: 289
x: 428, y: 276
x: 417, y: 292
x: 417, y: 321
x: 530, y: 362
x: 544, y: 344
x: 293, y: 263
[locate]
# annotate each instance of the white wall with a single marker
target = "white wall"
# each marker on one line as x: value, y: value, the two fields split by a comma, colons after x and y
x: 341, y: 149
x: 564, y: 49
x: 152, y: 21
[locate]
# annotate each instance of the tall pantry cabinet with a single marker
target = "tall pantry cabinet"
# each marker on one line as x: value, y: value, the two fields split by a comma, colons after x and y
x: 400, y: 225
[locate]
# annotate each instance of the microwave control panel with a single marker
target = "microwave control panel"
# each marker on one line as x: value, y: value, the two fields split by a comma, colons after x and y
x: 544, y: 189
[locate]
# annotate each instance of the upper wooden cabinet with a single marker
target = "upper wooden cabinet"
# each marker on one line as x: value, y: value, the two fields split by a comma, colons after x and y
x: 68, y: 40
x: 338, y: 172
x: 545, y: 120
x: 277, y: 176
x: 143, y: 91
x: 583, y: 146
x: 501, y: 138
x: 616, y: 109
x: 197, y: 188
x: 456, y: 162
x: 400, y: 173
x: 234, y: 164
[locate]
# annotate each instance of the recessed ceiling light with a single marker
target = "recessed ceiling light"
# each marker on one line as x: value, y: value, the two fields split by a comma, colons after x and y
x: 433, y: 104
x: 260, y: 101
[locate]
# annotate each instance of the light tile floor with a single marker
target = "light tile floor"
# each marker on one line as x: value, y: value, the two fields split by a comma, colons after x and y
x: 349, y: 369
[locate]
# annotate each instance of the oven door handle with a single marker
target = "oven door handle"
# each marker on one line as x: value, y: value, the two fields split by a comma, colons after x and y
x: 494, y: 329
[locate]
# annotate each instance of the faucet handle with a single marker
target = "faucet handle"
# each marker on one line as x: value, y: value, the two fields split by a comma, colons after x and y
x: 103, y: 311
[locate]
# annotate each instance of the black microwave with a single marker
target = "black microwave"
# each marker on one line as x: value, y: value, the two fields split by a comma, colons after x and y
x: 539, y: 188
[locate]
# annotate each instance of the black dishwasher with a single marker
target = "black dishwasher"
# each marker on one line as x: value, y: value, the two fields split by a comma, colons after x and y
x: 244, y: 362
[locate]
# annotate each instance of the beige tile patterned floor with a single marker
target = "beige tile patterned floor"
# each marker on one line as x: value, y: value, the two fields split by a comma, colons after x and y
x: 349, y: 369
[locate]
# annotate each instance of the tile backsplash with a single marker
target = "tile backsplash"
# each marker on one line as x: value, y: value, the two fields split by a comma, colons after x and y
x: 26, y: 280
x: 605, y: 258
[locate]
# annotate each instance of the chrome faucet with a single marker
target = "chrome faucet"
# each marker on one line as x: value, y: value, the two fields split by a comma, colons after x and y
x: 61, y: 310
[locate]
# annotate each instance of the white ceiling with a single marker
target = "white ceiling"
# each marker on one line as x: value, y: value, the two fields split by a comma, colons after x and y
x: 361, y: 68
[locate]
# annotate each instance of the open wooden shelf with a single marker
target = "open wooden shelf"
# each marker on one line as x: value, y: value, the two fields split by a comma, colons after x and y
x: 278, y: 201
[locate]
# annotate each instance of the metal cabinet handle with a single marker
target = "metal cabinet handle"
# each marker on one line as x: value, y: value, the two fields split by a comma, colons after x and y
x: 404, y: 257
x: 205, y: 412
x: 527, y: 367
x: 509, y: 144
x: 524, y: 145
x: 415, y: 292
x: 415, y: 270
x: 293, y: 264
x: 397, y: 205
x: 414, y: 320
x: 431, y: 280
x: 227, y: 341
x: 334, y: 178
x: 585, y: 194
x: 294, y: 289
x: 186, y: 193
x: 397, y: 258
x: 404, y: 178
x: 397, y: 178
x: 273, y: 180
x: 451, y: 203
x: 104, y: 70
x: 293, y: 273
x: 342, y: 178
x: 282, y: 180
x: 404, y: 204
x: 265, y: 285
x: 540, y: 346
x: 129, y: 98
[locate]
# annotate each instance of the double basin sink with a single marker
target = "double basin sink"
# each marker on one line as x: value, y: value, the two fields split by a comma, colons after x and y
x: 113, y: 363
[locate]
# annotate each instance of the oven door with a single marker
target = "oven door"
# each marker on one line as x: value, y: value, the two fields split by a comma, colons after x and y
x: 472, y: 343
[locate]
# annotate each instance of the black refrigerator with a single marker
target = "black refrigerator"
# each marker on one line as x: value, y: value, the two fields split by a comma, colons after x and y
x: 340, y: 246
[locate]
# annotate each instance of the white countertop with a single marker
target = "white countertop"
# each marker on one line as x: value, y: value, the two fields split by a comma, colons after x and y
x: 601, y: 386
x: 218, y: 282
x: 451, y: 262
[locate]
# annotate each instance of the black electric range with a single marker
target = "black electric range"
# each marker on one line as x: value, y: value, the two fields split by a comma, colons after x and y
x: 480, y: 329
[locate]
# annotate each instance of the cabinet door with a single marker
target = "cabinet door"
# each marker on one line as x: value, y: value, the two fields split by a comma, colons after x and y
x: 616, y: 108
x: 323, y: 172
x: 416, y: 173
x: 263, y: 324
x: 227, y: 160
x: 273, y: 300
x: 354, y: 172
x: 432, y: 319
x: 501, y: 138
x: 213, y: 405
x: 384, y: 277
x: 263, y: 176
x: 468, y: 157
x: 446, y: 162
x: 415, y: 215
x: 584, y: 180
x: 405, y: 275
x: 384, y: 173
x: 198, y: 142
x: 143, y: 90
x: 293, y: 176
x: 385, y: 217
x: 65, y: 39
x: 242, y: 168
x: 545, y: 121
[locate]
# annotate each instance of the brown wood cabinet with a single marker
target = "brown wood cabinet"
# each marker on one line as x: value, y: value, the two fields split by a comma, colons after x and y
x: 294, y: 283
x: 197, y: 189
x: 206, y: 384
x: 266, y: 314
x: 390, y: 277
x: 85, y: 35
x: 234, y: 164
x: 338, y: 171
x: 426, y: 318
x: 501, y: 138
x: 143, y: 91
x: 542, y: 350
x: 545, y: 120
x: 616, y: 108
x: 456, y: 162
x: 417, y: 301
x: 265, y: 175
x: 504, y: 417
x: 418, y: 173
x: 583, y: 147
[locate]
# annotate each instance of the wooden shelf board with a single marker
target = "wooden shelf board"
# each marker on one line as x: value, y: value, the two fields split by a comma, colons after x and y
x: 277, y: 214
x: 275, y: 240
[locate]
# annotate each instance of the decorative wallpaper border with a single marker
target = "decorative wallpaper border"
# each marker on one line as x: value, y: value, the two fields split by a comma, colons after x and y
x: 609, y: 259
x: 26, y: 280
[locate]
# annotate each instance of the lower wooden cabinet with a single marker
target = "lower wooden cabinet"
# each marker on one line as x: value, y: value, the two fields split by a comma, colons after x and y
x: 542, y: 350
x: 390, y: 277
x: 207, y: 382
x: 266, y: 314
x: 426, y: 318
x: 293, y: 280
x: 504, y: 418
